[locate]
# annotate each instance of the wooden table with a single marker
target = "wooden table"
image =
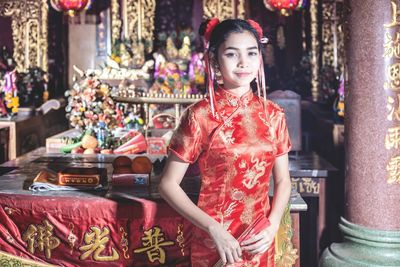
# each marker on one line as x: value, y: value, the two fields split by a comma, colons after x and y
x: 25, y: 134
x: 308, y: 172
x: 28, y: 132
x: 14, y: 185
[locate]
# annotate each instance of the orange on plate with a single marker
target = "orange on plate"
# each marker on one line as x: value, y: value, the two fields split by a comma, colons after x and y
x: 122, y: 161
x: 141, y: 164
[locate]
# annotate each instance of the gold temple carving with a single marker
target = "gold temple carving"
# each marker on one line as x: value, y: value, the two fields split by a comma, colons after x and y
x: 29, y: 30
x: 315, y: 45
x: 116, y: 22
x: 224, y: 9
x: 137, y: 22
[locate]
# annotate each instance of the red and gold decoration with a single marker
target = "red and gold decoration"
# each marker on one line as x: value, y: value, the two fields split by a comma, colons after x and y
x: 284, y: 6
x: 41, y: 236
x: 153, y: 241
x: 95, y: 240
x: 245, y: 171
x: 100, y: 237
x: 302, y: 4
x: 71, y: 7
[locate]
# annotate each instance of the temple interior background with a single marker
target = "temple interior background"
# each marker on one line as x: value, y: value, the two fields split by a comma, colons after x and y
x: 83, y: 82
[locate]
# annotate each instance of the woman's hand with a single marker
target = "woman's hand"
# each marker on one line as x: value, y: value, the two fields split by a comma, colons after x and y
x: 228, y: 247
x: 260, y: 242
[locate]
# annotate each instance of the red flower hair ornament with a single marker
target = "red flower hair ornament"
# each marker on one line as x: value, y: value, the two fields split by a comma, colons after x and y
x: 210, y: 27
x: 259, y: 30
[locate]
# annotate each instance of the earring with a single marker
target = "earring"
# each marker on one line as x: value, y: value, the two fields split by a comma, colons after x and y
x: 218, y: 76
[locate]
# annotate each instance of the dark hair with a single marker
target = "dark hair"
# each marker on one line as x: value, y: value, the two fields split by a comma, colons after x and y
x: 223, y: 29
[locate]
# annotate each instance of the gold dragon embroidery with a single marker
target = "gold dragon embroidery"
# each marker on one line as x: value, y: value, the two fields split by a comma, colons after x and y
x: 254, y: 173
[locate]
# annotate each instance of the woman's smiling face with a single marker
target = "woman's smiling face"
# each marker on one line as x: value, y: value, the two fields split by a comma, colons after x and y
x: 239, y: 60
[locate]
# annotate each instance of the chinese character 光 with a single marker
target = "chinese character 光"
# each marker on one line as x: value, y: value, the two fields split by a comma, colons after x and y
x: 96, y: 240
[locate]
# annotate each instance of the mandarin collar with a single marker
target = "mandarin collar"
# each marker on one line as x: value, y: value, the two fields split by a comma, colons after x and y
x: 232, y: 99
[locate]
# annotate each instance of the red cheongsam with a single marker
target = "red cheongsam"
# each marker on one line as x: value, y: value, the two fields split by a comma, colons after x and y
x: 235, y: 150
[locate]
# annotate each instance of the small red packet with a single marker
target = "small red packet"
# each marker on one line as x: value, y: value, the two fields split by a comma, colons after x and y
x: 259, y: 224
x: 156, y: 146
x: 130, y: 179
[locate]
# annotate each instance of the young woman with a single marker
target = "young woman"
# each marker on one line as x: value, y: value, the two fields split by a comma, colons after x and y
x: 237, y: 138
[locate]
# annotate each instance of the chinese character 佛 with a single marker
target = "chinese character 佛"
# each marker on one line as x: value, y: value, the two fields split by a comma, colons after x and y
x: 41, y: 237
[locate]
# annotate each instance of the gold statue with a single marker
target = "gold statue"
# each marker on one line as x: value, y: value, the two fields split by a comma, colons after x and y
x: 138, y: 54
x: 185, y: 51
x: 172, y: 52
x: 126, y: 58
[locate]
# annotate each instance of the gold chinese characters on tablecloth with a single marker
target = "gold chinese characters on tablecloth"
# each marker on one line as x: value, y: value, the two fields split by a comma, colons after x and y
x: 97, y: 245
x: 41, y: 237
x: 153, y: 242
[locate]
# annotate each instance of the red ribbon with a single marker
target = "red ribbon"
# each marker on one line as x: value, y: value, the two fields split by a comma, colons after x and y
x: 257, y: 27
x: 210, y: 27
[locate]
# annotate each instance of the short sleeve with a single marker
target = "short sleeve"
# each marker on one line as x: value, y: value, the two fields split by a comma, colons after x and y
x: 283, y: 144
x: 186, y: 140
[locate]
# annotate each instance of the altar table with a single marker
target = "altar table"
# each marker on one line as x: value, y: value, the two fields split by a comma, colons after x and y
x: 112, y: 227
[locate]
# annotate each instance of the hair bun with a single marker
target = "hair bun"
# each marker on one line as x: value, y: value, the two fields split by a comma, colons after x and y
x: 212, y: 23
x: 203, y: 27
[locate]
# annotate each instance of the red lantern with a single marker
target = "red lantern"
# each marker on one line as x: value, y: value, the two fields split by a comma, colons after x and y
x: 285, y: 6
x: 302, y: 4
x: 70, y: 6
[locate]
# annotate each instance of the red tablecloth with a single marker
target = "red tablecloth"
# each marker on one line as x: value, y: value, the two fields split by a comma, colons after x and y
x: 93, y: 231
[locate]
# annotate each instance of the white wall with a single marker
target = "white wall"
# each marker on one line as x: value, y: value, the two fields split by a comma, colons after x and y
x: 82, y: 46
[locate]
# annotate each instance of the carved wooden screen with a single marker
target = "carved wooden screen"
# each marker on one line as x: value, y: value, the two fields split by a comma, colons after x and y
x: 29, y: 27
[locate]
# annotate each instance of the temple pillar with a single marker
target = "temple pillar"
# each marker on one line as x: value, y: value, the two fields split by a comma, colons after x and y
x: 371, y: 224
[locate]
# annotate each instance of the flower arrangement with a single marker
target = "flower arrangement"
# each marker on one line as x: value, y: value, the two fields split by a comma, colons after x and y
x: 197, y: 73
x: 89, y: 102
x: 169, y: 79
x: 107, y: 127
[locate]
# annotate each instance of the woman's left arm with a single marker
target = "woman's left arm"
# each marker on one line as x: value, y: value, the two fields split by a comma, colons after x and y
x: 282, y: 188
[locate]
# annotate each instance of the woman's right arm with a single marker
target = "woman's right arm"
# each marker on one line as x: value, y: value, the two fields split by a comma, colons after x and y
x: 170, y: 190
